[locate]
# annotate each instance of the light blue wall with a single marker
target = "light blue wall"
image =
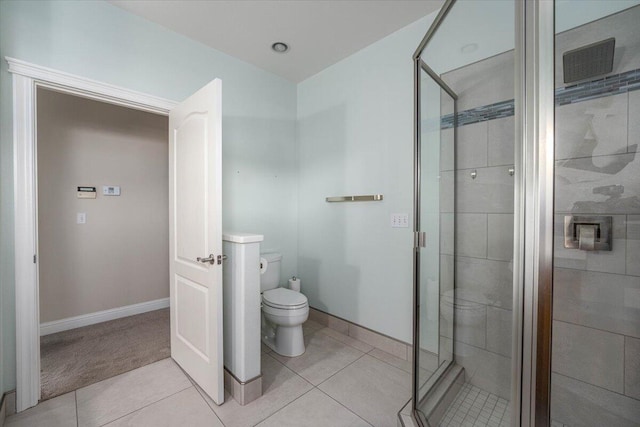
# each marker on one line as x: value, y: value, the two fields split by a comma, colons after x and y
x: 102, y: 42
x: 355, y: 136
x: 355, y: 122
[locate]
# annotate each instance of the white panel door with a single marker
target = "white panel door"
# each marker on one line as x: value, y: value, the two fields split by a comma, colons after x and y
x: 195, y: 151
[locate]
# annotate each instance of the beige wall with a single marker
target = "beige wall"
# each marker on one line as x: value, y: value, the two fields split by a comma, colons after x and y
x: 121, y: 255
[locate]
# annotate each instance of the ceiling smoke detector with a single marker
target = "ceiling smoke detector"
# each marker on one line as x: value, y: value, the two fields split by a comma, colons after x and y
x: 279, y: 47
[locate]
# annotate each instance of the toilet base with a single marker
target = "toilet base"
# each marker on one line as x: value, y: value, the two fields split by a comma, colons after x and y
x: 287, y: 341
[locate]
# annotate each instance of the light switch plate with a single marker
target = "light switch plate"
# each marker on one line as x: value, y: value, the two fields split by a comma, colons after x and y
x: 111, y: 190
x: 400, y: 220
x: 81, y: 218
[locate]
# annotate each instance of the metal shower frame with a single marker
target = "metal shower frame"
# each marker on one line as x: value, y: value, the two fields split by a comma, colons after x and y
x: 533, y: 208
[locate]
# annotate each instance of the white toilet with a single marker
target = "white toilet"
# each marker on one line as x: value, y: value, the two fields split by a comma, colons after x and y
x: 283, y: 310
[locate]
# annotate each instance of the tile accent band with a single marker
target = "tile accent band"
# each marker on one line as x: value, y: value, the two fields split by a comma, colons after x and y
x: 607, y: 86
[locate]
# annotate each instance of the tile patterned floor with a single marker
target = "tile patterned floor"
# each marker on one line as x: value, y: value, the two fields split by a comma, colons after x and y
x: 474, y: 407
x: 339, y: 381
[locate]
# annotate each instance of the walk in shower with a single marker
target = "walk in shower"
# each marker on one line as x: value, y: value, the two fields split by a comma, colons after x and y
x: 526, y: 284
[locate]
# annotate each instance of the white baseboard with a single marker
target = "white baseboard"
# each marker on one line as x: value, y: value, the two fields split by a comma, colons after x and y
x: 101, y: 316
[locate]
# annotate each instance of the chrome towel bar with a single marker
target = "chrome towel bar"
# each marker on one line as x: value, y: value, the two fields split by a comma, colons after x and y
x: 367, y: 198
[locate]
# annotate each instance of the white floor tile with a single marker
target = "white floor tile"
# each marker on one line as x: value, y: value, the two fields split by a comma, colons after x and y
x: 314, y: 409
x: 59, y: 411
x: 310, y: 326
x: 373, y: 389
x: 324, y: 356
x: 110, y: 399
x: 185, y: 408
x: 280, y: 386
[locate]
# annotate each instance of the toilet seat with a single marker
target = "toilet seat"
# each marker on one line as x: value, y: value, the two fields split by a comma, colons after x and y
x: 284, y: 299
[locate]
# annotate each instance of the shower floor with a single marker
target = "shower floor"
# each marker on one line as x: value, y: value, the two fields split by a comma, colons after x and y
x: 476, y: 407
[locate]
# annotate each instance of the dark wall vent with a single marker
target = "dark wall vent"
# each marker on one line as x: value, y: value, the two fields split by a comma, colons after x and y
x: 589, y: 61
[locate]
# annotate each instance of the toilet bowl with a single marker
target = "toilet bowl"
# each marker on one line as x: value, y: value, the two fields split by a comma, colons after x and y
x: 283, y: 311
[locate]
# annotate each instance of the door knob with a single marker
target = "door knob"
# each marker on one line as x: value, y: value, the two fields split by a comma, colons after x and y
x: 211, y: 259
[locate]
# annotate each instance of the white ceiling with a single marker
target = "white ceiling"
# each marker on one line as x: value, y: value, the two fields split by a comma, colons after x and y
x: 319, y: 33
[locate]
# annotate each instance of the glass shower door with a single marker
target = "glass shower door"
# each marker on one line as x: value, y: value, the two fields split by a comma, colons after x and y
x: 466, y: 175
x: 436, y: 221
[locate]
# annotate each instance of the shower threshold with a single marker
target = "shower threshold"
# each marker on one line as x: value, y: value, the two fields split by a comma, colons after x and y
x: 442, y: 389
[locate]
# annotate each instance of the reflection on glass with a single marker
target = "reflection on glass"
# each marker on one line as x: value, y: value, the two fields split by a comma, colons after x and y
x: 596, y: 320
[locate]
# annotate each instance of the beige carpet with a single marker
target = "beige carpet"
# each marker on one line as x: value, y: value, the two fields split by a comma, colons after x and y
x: 76, y: 358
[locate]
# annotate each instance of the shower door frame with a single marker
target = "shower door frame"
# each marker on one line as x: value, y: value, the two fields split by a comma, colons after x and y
x: 533, y: 210
x: 422, y: 66
x: 537, y: 78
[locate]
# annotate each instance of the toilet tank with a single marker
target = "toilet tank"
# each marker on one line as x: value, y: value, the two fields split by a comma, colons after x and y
x: 270, y: 276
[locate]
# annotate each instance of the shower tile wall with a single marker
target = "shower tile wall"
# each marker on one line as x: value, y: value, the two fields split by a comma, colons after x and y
x: 596, y: 347
x: 484, y: 222
x: 596, y: 326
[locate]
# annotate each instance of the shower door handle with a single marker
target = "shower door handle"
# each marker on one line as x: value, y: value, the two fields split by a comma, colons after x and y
x: 420, y: 240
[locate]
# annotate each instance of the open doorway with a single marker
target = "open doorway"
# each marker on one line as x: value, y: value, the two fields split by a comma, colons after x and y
x: 103, y: 255
x: 195, y: 210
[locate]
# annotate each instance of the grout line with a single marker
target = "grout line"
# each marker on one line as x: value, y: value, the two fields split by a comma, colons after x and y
x: 343, y: 405
x: 483, y: 212
x: 146, y: 406
x: 270, y: 356
x: 593, y: 385
x: 191, y: 380
x: 337, y: 372
x: 291, y: 370
x: 594, y: 271
x: 281, y: 409
x: 197, y: 389
x: 597, y: 156
x: 75, y: 396
x: 210, y: 408
x: 480, y: 348
x: 479, y: 167
x: 462, y: 257
x: 307, y: 381
x: 483, y: 167
x: 591, y: 327
x: 205, y: 400
x: 457, y: 298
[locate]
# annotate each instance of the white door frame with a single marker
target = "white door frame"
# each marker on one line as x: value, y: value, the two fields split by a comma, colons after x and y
x: 26, y: 79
